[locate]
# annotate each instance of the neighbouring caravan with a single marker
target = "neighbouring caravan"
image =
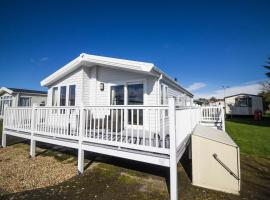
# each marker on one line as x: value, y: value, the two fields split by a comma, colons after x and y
x: 15, y: 97
x: 243, y: 104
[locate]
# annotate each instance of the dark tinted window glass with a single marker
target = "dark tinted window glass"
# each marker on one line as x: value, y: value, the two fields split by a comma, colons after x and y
x: 117, y: 95
x: 72, y: 94
x: 135, y: 94
x: 135, y: 97
x: 63, y: 92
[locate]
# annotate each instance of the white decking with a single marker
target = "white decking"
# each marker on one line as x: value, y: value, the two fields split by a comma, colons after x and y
x: 152, y: 134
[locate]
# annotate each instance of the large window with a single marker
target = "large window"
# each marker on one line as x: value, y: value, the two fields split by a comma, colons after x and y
x: 117, y: 95
x: 55, y: 96
x: 25, y: 101
x: 63, y: 93
x: 72, y: 94
x: 133, y: 95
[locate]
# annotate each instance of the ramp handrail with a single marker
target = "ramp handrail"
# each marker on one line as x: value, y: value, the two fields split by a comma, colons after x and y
x: 225, y: 167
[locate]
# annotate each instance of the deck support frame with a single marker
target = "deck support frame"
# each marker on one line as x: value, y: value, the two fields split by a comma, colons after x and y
x: 173, y: 151
x: 80, y: 150
x: 168, y: 159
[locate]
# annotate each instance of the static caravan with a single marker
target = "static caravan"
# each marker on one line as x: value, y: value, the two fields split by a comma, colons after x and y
x: 15, y: 97
x: 125, y: 109
x: 91, y: 80
x: 243, y: 104
x: 102, y: 81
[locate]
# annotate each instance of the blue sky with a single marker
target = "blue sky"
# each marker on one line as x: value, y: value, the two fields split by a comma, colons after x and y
x: 205, y: 44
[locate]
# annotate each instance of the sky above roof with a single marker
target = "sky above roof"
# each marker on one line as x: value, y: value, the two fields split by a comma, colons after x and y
x: 204, y: 44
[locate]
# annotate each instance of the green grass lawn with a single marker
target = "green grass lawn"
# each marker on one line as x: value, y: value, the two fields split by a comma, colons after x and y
x: 253, y: 137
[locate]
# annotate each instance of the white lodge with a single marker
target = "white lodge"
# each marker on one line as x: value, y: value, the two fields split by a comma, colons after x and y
x: 131, y: 110
x: 101, y: 81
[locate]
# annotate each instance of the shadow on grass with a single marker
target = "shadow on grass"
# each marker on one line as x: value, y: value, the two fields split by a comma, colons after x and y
x: 135, y: 166
x: 250, y: 120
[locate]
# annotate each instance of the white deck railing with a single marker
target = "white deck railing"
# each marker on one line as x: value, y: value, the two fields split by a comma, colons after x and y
x: 211, y: 113
x: 159, y: 134
x: 143, y: 128
x: 136, y: 127
x: 186, y: 121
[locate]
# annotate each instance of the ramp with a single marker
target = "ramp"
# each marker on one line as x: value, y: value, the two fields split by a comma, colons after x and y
x: 215, y: 160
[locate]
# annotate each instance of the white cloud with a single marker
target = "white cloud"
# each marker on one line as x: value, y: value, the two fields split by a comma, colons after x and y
x: 44, y: 59
x: 196, y: 86
x: 246, y: 88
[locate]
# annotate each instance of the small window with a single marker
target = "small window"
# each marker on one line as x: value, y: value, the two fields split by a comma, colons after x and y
x: 55, y: 96
x: 72, y: 94
x: 63, y: 92
x: 25, y: 101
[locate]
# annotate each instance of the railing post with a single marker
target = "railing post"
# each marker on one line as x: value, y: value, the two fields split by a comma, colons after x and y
x: 222, y: 117
x: 33, y: 142
x: 80, y: 150
x: 173, y: 159
x: 4, y: 136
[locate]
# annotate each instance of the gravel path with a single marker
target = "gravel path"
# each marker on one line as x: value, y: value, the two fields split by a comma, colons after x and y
x: 20, y: 173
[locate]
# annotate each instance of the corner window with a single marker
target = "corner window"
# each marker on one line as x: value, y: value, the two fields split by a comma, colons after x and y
x: 55, y: 96
x: 63, y: 92
x: 72, y: 94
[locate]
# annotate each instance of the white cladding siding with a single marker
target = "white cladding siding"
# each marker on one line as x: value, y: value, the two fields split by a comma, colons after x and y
x: 181, y: 98
x: 74, y: 78
x: 88, y: 80
x: 86, y: 86
x: 108, y: 77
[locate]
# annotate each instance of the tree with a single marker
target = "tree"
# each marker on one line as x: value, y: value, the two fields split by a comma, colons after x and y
x: 266, y: 87
x: 267, y: 66
x: 213, y: 99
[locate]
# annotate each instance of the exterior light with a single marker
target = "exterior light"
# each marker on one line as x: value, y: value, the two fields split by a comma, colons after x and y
x: 101, y: 86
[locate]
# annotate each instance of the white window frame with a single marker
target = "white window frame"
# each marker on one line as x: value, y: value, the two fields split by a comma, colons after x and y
x: 126, y: 83
x: 164, y: 94
x: 55, y: 99
x: 58, y: 98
